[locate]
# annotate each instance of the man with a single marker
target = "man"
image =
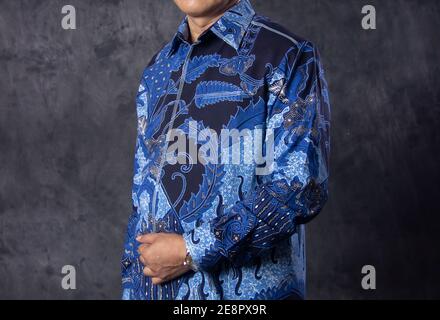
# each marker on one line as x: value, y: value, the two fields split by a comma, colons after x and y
x: 212, y: 227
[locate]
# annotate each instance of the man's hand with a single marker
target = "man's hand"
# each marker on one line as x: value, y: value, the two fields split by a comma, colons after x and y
x: 163, y: 255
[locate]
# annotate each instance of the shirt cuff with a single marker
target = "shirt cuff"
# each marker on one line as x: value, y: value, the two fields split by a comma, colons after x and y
x: 199, y: 244
x: 223, y: 237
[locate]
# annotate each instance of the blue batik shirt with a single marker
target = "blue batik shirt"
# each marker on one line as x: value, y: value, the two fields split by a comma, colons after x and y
x: 244, y: 227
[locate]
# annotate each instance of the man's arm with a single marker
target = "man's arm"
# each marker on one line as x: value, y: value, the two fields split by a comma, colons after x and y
x: 294, y: 193
x: 296, y: 190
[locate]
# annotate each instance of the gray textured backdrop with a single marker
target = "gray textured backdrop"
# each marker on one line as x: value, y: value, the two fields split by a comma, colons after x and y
x: 67, y: 133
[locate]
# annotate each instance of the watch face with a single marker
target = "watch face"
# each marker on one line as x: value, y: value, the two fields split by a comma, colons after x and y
x: 188, y: 259
x: 189, y: 262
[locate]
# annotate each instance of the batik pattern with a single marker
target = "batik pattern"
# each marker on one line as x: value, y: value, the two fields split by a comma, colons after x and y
x: 245, y: 231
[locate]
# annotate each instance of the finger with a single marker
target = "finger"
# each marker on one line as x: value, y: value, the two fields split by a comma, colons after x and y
x: 157, y: 280
x: 142, y: 248
x: 147, y: 238
x: 149, y: 273
x: 142, y: 260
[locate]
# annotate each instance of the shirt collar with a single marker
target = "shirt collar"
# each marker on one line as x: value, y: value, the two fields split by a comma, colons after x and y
x: 231, y: 27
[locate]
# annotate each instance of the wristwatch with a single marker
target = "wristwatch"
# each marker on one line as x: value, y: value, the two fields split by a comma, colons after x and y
x: 189, y: 261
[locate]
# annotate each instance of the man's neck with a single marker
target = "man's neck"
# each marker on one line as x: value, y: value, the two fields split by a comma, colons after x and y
x: 198, y: 25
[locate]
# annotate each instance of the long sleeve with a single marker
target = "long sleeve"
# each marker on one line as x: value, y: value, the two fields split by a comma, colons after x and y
x: 140, y: 157
x: 298, y: 116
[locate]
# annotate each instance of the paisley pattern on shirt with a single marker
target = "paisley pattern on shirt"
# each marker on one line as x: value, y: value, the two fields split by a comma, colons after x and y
x: 245, y: 231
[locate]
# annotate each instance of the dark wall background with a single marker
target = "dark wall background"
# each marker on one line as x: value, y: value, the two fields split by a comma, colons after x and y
x: 67, y: 133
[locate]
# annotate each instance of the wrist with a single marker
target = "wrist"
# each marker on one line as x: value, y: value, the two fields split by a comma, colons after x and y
x: 188, y: 260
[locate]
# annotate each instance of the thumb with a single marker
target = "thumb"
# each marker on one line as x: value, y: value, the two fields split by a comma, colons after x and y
x: 147, y: 238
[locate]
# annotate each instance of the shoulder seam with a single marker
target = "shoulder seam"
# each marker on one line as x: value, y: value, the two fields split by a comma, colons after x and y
x: 275, y: 31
